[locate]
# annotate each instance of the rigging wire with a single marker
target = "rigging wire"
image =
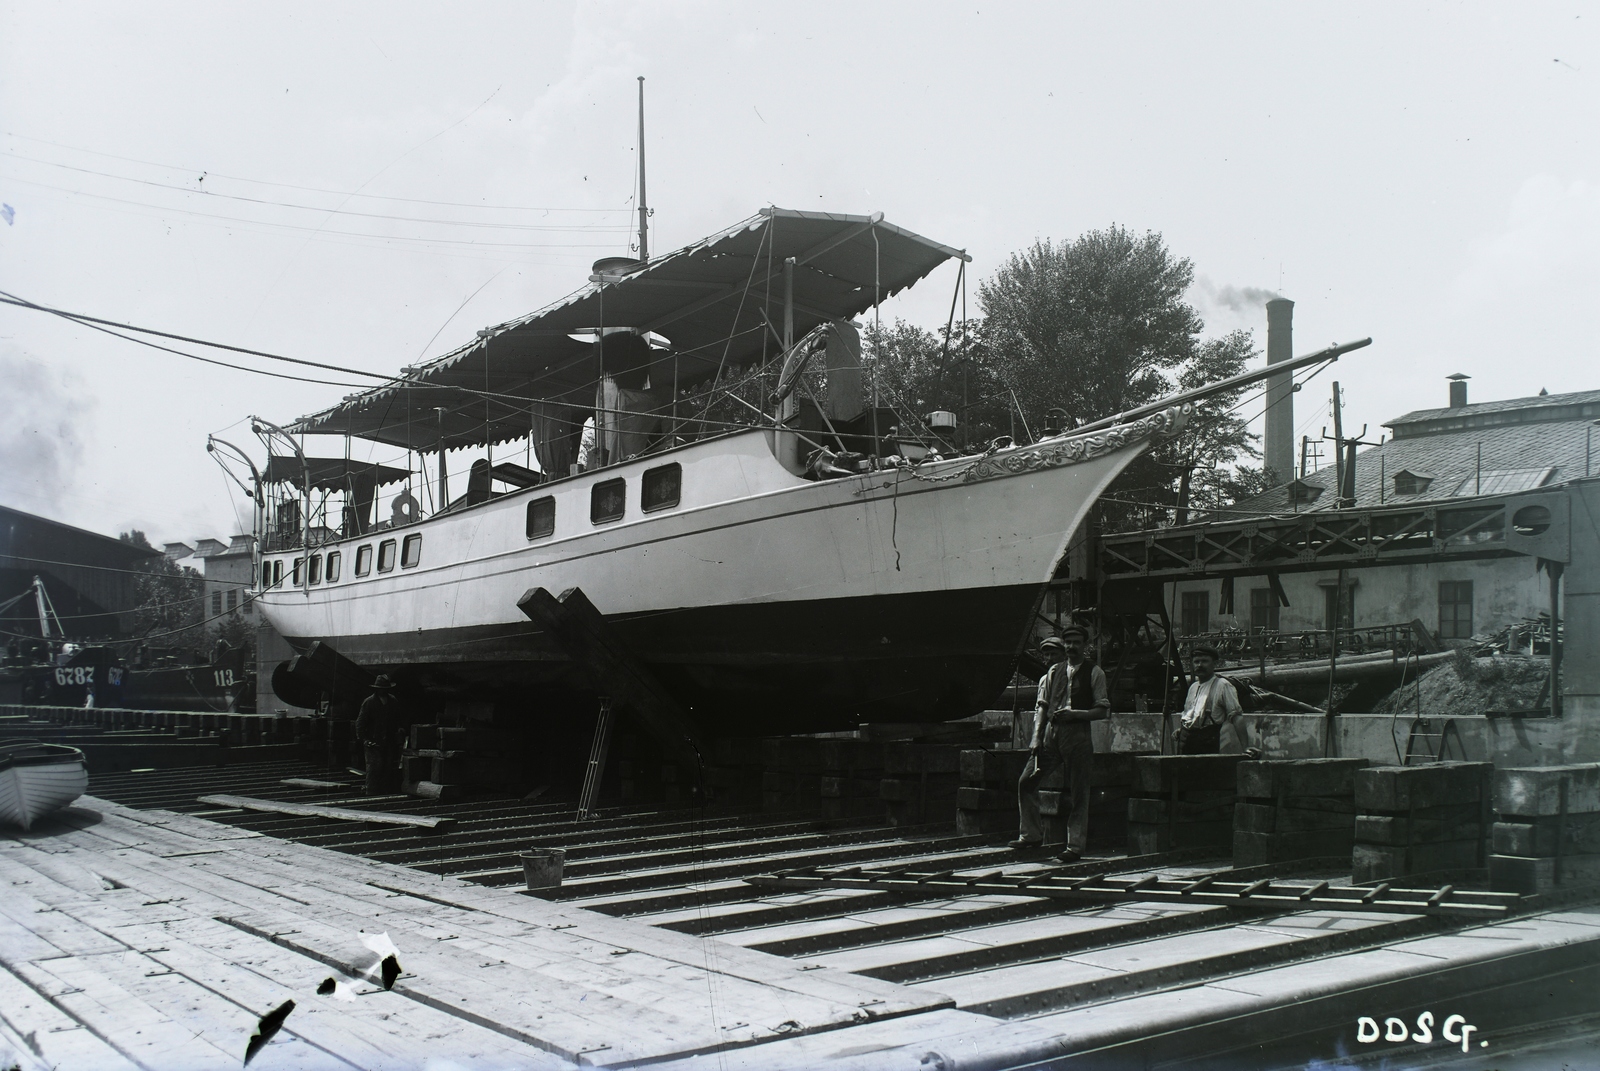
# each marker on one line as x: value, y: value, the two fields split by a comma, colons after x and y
x: 292, y: 186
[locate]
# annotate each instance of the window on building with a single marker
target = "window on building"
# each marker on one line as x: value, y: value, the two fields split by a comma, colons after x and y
x: 1455, y: 609
x: 333, y: 566
x: 299, y: 571
x: 1407, y: 482
x: 662, y: 487
x: 386, y: 555
x: 1338, y: 612
x: 316, y: 568
x: 364, y: 560
x: 1263, y: 610
x: 1196, y: 616
x: 411, y: 551
x: 608, y: 500
x: 233, y: 599
x: 541, y: 517
x: 216, y: 603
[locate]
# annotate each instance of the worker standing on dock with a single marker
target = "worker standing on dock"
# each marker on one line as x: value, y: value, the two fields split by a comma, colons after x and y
x: 1210, y: 722
x: 1072, y: 695
x: 376, y: 727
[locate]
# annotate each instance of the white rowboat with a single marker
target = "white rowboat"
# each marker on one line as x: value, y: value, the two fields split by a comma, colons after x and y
x: 36, y: 779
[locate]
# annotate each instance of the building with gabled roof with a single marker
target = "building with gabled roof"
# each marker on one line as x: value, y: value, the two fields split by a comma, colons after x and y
x: 1447, y: 456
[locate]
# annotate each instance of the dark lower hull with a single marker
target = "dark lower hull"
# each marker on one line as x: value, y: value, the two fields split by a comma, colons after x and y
x: 756, y: 668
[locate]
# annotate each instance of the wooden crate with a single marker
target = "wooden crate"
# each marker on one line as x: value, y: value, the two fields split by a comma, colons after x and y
x: 1548, y: 831
x: 1421, y: 819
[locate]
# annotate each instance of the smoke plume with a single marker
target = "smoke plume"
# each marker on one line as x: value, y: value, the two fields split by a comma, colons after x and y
x: 41, y: 416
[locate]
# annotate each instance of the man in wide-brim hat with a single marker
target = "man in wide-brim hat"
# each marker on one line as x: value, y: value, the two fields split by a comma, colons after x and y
x: 378, y: 727
x: 1072, y: 696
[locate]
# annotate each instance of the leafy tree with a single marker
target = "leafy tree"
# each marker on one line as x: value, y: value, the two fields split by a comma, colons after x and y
x: 1090, y: 326
x: 171, y: 599
x: 918, y: 371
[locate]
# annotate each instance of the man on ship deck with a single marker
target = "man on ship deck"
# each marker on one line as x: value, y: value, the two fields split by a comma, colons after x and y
x: 1072, y: 696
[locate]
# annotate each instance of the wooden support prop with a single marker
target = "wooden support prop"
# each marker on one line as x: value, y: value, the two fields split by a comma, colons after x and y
x: 592, y: 643
x: 343, y: 814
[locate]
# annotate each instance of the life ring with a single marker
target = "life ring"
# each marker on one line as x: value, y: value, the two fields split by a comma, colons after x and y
x: 405, y: 509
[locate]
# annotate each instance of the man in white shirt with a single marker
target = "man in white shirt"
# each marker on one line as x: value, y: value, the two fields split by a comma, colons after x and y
x: 1210, y: 723
x: 1072, y: 695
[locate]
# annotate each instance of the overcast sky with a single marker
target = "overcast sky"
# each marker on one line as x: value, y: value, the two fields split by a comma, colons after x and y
x: 1425, y: 174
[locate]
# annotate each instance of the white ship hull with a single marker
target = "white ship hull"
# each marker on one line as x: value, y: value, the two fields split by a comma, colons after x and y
x: 883, y: 592
x: 36, y: 779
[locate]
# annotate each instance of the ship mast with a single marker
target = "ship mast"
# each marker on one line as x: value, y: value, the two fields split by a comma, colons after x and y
x: 644, y: 212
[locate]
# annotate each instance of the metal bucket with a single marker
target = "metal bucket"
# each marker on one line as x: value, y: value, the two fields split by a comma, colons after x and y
x: 541, y: 867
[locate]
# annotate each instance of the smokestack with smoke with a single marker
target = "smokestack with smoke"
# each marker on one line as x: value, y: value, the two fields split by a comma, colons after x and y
x: 1279, y: 452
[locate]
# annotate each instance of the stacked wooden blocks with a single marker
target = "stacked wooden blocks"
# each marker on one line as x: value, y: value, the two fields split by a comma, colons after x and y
x: 734, y: 776
x: 446, y: 761
x: 852, y: 772
x: 1294, y: 809
x: 791, y: 778
x: 1548, y: 833
x: 1427, y: 819
x: 1182, y: 801
x: 920, y: 782
x: 986, y: 801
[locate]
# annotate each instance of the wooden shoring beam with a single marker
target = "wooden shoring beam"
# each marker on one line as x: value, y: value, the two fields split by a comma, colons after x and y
x: 592, y: 643
x: 342, y: 814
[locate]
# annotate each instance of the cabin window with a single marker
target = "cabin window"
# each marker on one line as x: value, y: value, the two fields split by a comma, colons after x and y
x: 1196, y: 612
x: 364, y: 560
x: 216, y: 604
x: 233, y: 599
x: 266, y: 575
x: 277, y: 572
x: 299, y: 571
x: 662, y: 487
x: 1455, y: 609
x: 316, y: 568
x: 541, y: 517
x: 608, y: 500
x: 333, y: 566
x: 386, y: 555
x: 411, y: 551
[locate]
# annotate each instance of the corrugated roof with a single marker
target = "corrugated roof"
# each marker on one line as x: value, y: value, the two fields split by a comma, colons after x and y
x: 706, y: 299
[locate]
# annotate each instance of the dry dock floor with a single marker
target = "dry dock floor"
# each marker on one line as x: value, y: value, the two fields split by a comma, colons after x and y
x: 141, y: 937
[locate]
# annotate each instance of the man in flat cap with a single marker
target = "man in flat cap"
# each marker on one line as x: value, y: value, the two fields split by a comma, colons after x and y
x: 1210, y: 722
x: 1072, y: 695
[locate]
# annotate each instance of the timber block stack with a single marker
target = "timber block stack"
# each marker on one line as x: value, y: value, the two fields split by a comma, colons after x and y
x: 1548, y: 833
x: 734, y: 775
x: 791, y: 778
x: 1182, y: 801
x: 1427, y: 819
x: 852, y: 773
x: 1294, y: 809
x: 986, y: 800
x: 446, y: 761
x: 920, y: 782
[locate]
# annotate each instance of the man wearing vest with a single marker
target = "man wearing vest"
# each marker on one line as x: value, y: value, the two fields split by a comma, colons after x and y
x: 1072, y: 695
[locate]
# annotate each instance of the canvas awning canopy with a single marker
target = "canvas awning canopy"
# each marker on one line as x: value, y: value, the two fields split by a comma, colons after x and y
x: 330, y: 473
x: 706, y: 300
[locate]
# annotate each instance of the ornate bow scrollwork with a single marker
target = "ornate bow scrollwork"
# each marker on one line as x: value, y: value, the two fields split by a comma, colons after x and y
x: 1074, y: 451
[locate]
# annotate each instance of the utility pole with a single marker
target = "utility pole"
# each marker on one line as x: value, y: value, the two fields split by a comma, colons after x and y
x: 1338, y: 443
